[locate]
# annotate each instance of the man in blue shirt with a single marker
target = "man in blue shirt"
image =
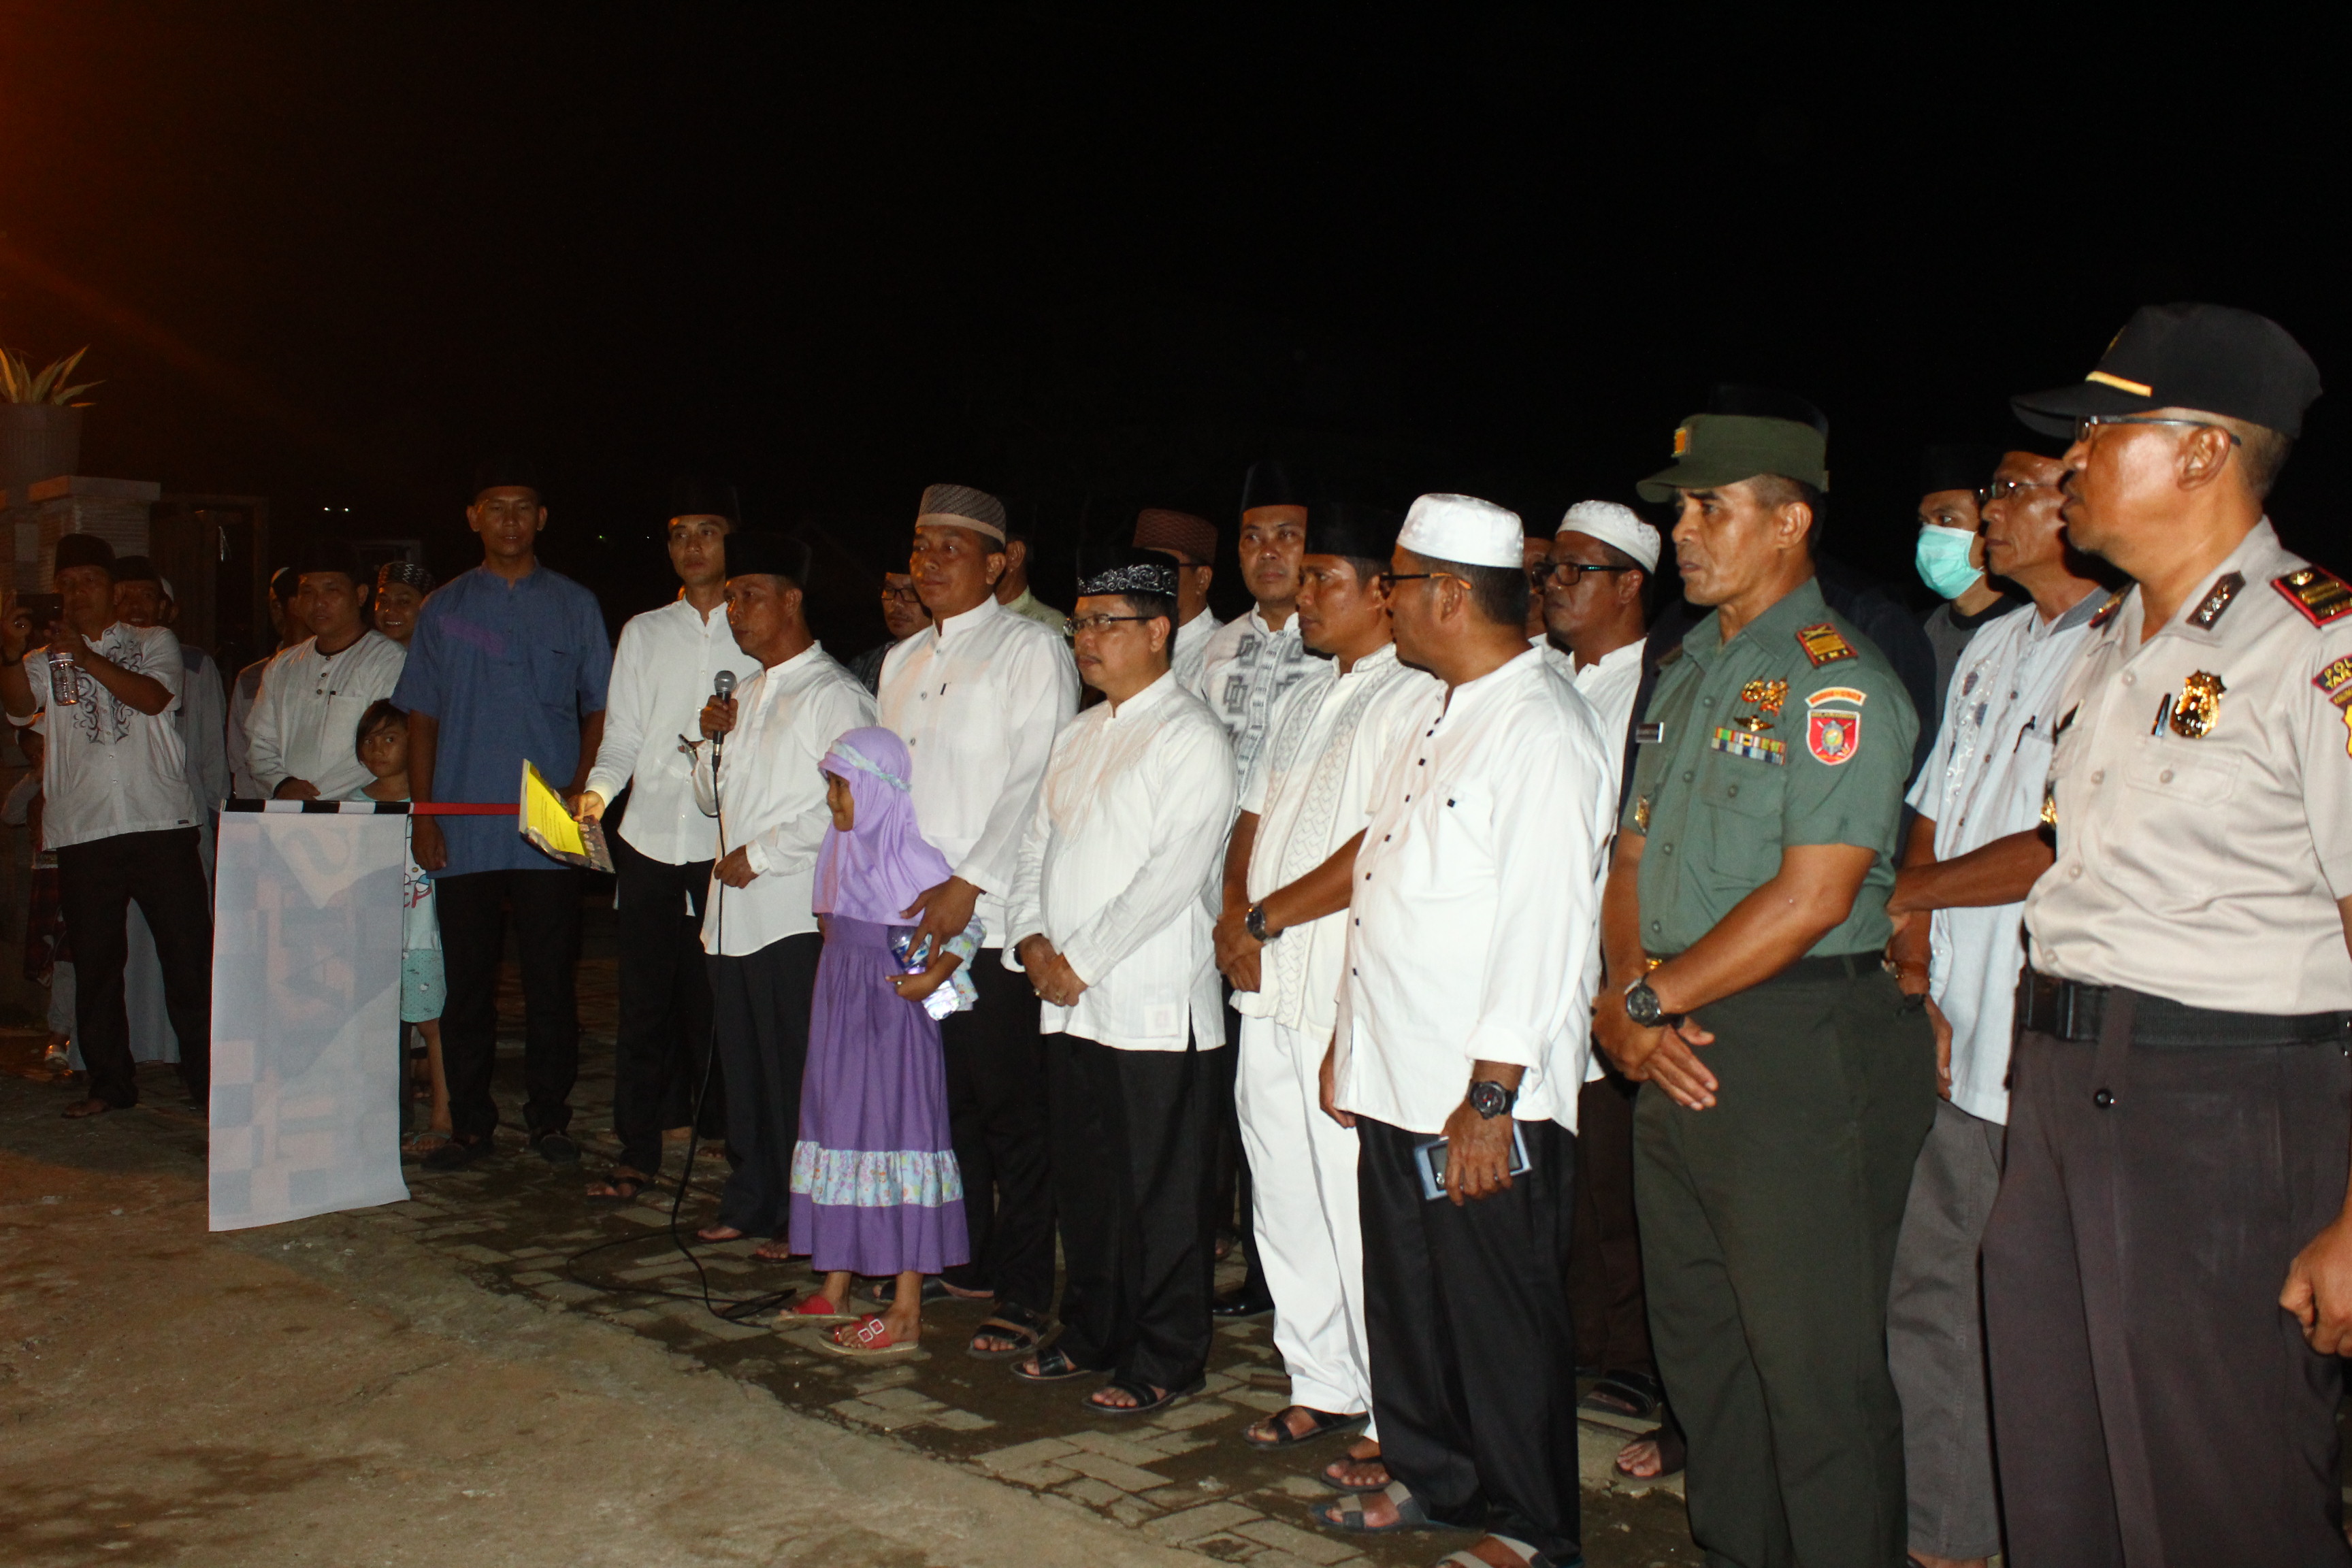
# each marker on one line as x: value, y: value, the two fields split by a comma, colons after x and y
x: 509, y: 663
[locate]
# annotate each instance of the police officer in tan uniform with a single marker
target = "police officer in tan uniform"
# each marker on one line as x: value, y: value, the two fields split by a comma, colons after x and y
x: 2167, y: 1272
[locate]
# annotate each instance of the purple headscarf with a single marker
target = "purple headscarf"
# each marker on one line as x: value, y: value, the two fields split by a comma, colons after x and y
x: 878, y: 867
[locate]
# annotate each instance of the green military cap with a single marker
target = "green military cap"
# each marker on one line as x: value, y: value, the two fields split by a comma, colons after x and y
x: 1713, y: 449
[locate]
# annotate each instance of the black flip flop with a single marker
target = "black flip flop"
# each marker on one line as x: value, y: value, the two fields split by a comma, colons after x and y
x: 636, y: 1181
x: 1410, y: 1515
x: 1674, y: 1454
x: 1146, y: 1402
x: 1323, y: 1424
x: 1053, y: 1366
x: 1028, y: 1330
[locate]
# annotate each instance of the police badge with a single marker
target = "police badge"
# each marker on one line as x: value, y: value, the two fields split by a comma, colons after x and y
x: 2198, y: 707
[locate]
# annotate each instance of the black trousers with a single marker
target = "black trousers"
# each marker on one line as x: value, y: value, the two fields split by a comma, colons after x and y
x: 97, y: 882
x: 1604, y: 1258
x: 996, y: 1118
x: 1133, y: 1157
x: 663, y: 1038
x: 2152, y: 1403
x: 473, y: 909
x: 761, y: 1001
x: 1473, y: 1355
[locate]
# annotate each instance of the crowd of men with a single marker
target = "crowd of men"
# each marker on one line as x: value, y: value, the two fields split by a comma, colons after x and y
x: 1912, y: 1065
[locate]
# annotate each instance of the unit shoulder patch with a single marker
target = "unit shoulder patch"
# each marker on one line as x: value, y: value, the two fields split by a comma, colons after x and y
x: 2334, y: 683
x: 2318, y: 596
x: 1823, y: 644
x: 2106, y: 611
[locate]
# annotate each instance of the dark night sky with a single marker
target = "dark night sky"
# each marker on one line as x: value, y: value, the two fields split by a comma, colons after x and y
x: 330, y: 255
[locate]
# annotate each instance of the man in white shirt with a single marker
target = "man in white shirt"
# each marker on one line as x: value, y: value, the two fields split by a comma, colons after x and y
x: 1190, y: 541
x: 1281, y: 942
x: 1245, y: 667
x: 758, y: 779
x: 284, y: 631
x: 978, y: 699
x: 1110, y: 928
x: 1975, y: 849
x: 118, y: 811
x: 302, y: 736
x: 1595, y: 590
x: 1013, y: 589
x: 1473, y: 950
x: 662, y: 675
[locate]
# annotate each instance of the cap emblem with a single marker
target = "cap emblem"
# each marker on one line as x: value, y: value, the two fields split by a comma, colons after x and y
x: 1682, y: 440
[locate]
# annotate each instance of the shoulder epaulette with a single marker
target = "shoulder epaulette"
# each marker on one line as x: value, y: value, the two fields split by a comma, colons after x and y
x: 2106, y: 611
x: 1669, y: 657
x: 2319, y: 595
x: 1823, y: 644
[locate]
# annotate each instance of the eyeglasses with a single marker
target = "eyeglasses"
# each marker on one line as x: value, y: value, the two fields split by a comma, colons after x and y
x: 1074, y: 625
x: 902, y: 596
x: 2090, y: 422
x: 1389, y: 579
x: 2007, y: 489
x: 1542, y: 573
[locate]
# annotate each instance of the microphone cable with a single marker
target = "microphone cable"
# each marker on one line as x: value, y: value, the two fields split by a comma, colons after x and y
x: 734, y: 1310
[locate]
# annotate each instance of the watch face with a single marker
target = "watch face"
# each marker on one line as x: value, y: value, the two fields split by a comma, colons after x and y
x: 1641, y: 1004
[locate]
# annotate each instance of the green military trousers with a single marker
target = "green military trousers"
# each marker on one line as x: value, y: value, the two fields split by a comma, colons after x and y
x: 1768, y: 1238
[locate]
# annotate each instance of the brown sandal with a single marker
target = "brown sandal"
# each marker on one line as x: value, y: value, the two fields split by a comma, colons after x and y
x: 81, y: 1109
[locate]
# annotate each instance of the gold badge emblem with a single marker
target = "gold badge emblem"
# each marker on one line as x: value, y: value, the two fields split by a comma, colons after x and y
x: 1682, y: 440
x: 2198, y: 707
x: 1767, y: 696
x: 1641, y: 813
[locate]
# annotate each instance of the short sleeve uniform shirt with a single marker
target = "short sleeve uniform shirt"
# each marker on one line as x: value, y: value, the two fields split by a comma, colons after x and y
x: 1797, y: 731
x: 506, y: 670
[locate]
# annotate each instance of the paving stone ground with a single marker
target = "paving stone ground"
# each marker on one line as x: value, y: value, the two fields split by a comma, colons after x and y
x: 1183, y: 1477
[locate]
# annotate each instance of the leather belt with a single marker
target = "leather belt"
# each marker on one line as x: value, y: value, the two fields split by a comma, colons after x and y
x: 2072, y: 1010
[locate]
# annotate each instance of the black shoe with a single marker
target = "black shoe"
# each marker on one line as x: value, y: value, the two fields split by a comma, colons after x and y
x: 457, y: 1154
x: 556, y: 1149
x: 1230, y: 1305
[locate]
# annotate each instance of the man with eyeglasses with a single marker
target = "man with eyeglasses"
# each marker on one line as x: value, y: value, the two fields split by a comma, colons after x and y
x: 1950, y: 554
x: 1190, y: 541
x: 978, y: 699
x: 1785, y: 1088
x: 2181, y: 1099
x: 902, y: 617
x: 1974, y: 849
x: 1109, y: 929
x: 1594, y: 587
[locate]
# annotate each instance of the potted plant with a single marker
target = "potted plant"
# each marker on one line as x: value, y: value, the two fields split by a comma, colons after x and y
x: 40, y: 422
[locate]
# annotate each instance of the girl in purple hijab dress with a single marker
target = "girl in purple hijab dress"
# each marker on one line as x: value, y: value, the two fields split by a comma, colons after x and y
x: 875, y: 1186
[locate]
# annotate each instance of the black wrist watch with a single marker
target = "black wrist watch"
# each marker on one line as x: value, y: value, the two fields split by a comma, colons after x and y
x: 1641, y: 1006
x: 1254, y: 922
x: 1491, y: 1100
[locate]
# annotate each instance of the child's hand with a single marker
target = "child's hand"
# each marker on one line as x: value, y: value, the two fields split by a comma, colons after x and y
x: 915, y: 987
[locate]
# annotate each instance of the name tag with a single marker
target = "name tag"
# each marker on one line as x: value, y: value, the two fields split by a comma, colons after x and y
x: 1649, y: 734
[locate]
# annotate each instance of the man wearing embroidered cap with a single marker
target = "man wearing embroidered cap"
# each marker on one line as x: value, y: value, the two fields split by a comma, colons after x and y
x: 1460, y: 1044
x: 978, y: 697
x: 2179, y: 1097
x: 1785, y: 1092
x: 1191, y: 542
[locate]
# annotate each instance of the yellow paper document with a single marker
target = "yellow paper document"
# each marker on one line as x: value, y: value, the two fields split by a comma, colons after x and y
x: 551, y: 830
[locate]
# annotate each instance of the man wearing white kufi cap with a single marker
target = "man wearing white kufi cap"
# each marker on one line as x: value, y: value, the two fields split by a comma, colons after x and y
x: 1472, y: 949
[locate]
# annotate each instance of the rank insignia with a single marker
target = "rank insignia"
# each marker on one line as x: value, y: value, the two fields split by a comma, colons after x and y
x: 2106, y: 611
x: 2318, y: 594
x: 1767, y: 696
x: 1822, y: 644
x: 1747, y: 743
x: 2209, y: 609
x: 1641, y: 813
x: 2334, y: 683
x: 2198, y: 707
x: 1833, y: 724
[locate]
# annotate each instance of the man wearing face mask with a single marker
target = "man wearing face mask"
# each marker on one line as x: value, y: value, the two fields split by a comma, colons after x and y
x: 1951, y: 555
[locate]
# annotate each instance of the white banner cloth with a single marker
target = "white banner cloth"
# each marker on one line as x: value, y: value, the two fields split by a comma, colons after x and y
x: 306, y: 1015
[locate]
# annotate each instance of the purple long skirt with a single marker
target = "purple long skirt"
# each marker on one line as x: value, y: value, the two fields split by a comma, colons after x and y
x: 875, y: 1184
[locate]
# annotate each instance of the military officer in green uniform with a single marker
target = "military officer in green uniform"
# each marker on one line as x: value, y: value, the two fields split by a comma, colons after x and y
x: 1787, y: 1083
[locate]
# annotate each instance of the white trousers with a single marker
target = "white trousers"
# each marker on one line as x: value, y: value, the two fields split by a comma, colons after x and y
x: 1311, y: 1242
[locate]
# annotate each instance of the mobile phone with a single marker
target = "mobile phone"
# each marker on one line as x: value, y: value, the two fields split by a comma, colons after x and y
x: 45, y: 609
x: 1429, y: 1154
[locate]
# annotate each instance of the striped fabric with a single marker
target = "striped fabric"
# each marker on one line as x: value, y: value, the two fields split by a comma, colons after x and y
x: 1193, y: 538
x: 960, y: 506
x: 373, y: 807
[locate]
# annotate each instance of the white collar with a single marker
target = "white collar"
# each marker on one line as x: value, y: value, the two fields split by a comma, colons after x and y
x: 1257, y: 619
x: 975, y: 616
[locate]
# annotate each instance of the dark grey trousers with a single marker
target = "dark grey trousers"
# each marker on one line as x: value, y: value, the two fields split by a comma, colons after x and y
x: 759, y: 1004
x: 2153, y: 1405
x: 1934, y: 1338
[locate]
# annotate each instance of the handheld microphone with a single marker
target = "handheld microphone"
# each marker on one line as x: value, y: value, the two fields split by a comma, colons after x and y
x: 722, y: 689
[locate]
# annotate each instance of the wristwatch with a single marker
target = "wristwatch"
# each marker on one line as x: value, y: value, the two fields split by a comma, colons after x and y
x: 1255, y: 922
x: 1490, y: 1098
x: 1641, y: 1004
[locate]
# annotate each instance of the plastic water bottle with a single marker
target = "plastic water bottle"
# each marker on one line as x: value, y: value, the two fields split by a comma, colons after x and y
x: 64, y: 677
